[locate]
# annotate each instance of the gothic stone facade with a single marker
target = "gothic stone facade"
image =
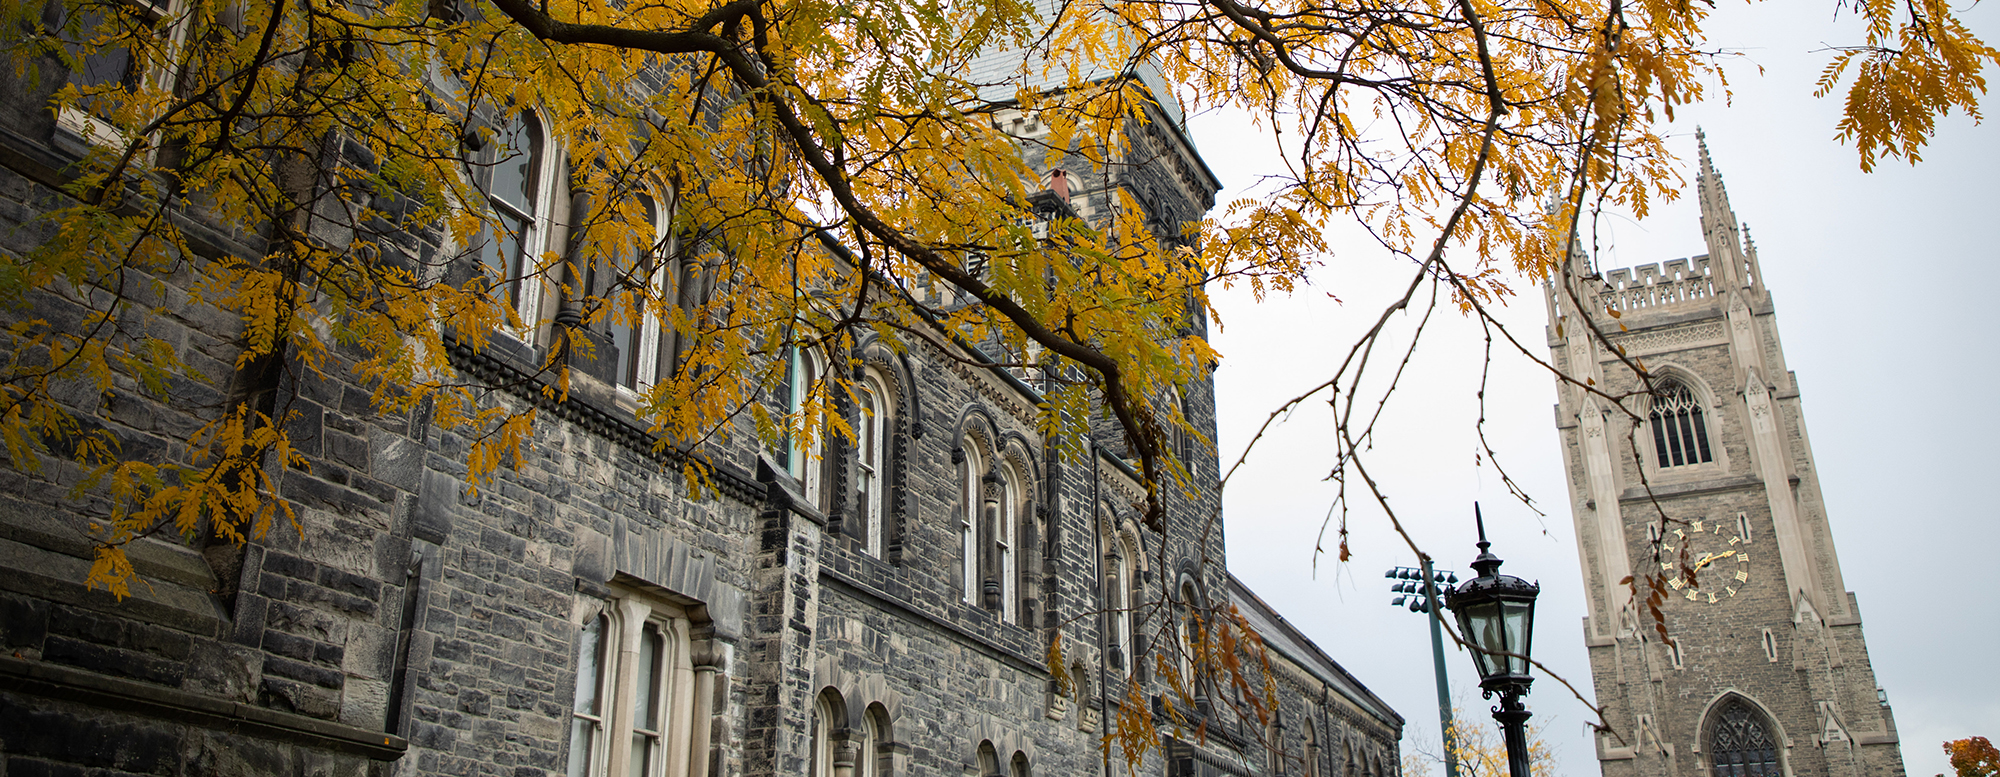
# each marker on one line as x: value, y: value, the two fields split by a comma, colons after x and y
x: 584, y: 611
x: 1767, y: 671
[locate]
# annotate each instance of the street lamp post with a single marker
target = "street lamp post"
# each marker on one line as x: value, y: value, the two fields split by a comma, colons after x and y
x: 1496, y: 614
x: 1424, y: 598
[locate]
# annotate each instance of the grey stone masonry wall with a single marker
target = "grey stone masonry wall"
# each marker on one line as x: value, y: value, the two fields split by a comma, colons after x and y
x: 1764, y: 621
x: 412, y: 623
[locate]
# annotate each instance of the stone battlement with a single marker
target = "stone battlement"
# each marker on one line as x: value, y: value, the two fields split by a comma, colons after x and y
x: 1666, y: 284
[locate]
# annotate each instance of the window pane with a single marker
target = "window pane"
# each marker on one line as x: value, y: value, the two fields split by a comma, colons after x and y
x: 645, y: 702
x: 1701, y: 435
x: 1660, y: 441
x: 588, y: 665
x: 642, y: 753
x: 518, y: 155
x: 498, y: 253
x: 625, y: 338
x: 582, y: 736
x: 584, y: 718
x: 1672, y: 420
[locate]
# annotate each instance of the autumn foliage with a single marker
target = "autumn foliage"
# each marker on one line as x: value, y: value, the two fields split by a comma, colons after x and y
x: 756, y: 177
x: 1973, y: 757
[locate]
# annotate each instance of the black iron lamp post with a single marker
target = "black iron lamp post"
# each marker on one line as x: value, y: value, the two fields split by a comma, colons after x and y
x: 1496, y: 613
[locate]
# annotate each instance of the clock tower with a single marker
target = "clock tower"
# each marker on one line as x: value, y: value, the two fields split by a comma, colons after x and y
x: 1703, y: 492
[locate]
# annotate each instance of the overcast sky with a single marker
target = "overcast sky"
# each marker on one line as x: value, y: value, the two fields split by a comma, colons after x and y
x: 1880, y: 283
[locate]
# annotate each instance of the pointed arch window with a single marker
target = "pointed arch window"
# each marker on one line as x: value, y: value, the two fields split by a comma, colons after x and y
x: 1740, y: 743
x: 1680, y: 430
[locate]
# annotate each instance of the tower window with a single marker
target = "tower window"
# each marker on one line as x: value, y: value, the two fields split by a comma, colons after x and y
x: 1770, y: 646
x: 1740, y: 744
x: 1680, y: 433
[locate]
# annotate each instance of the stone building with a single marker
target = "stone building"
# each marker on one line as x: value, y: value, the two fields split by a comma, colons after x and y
x: 882, y: 608
x: 1708, y: 486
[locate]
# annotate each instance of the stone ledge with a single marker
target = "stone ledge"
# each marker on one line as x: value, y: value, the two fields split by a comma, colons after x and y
x: 886, y: 602
x: 1637, y: 494
x: 77, y: 686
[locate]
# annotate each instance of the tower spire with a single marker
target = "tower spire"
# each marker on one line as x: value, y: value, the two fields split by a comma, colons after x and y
x: 1718, y: 221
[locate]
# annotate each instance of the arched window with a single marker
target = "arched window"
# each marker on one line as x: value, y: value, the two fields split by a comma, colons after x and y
x: 1005, y: 535
x: 871, y: 438
x: 517, y: 164
x: 1680, y: 433
x: 989, y: 760
x: 1118, y: 592
x: 1740, y: 743
x: 971, y: 501
x: 687, y: 278
x: 1191, y: 637
x: 801, y: 456
x: 1312, y: 749
x: 1020, y: 764
x: 632, y: 326
x: 1274, y: 742
x: 820, y: 757
x: 871, y: 761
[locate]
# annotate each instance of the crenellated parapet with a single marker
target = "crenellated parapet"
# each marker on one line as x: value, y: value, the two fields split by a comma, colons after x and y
x: 1658, y: 286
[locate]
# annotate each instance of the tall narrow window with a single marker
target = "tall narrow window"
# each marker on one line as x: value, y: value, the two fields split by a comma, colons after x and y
x: 648, y: 737
x: 1312, y: 749
x: 586, y: 727
x: 874, y: 733
x: 1004, y: 536
x: 799, y: 455
x: 968, y: 524
x: 821, y: 764
x: 1119, y: 591
x: 632, y: 326
x: 687, y: 283
x: 515, y: 167
x: 1740, y: 743
x: 1190, y: 637
x: 1680, y: 433
x: 870, y: 425
x: 625, y: 720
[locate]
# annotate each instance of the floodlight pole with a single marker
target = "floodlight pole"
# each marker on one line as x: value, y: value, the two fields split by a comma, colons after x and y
x: 1437, y: 658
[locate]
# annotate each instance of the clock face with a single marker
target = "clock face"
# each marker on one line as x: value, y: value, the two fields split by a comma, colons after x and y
x: 1712, y: 559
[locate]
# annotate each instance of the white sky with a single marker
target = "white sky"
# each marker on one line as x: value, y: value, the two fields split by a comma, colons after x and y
x: 1877, y: 282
